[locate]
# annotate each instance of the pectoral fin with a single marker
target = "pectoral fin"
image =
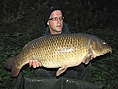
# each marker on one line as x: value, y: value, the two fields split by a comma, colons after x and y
x: 61, y: 70
x: 87, y: 60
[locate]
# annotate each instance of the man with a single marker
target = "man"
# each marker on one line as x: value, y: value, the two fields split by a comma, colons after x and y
x: 55, y: 25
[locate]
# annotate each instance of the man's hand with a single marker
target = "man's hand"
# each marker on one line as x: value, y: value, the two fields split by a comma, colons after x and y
x: 34, y: 63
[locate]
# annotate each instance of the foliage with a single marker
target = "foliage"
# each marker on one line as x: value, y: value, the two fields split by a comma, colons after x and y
x: 106, y: 72
x: 22, y: 21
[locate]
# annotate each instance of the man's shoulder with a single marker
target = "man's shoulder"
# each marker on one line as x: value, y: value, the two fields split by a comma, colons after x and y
x: 65, y: 28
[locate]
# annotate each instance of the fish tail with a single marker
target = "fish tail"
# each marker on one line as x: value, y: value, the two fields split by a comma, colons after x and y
x: 8, y: 63
x: 15, y: 71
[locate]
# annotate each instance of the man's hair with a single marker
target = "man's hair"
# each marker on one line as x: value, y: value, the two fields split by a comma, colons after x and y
x: 48, y: 13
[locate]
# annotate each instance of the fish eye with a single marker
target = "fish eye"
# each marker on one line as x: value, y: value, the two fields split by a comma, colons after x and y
x: 104, y: 42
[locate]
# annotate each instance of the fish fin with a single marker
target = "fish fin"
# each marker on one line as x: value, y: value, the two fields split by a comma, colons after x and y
x: 8, y: 63
x: 15, y: 71
x: 87, y: 60
x: 88, y: 57
x: 61, y: 70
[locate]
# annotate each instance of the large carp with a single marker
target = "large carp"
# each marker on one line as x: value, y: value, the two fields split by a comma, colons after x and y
x: 59, y: 51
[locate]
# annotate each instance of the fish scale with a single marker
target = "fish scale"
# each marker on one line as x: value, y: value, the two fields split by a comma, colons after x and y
x: 60, y: 51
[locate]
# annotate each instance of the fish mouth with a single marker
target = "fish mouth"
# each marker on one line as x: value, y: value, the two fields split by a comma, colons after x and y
x: 110, y: 50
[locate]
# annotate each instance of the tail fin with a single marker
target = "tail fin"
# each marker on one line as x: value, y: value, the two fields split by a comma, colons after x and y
x: 8, y: 63
x: 15, y: 71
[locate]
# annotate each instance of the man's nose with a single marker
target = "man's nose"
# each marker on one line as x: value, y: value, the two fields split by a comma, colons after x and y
x: 59, y: 20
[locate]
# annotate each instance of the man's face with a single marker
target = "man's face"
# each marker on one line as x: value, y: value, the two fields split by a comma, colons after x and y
x: 55, y: 22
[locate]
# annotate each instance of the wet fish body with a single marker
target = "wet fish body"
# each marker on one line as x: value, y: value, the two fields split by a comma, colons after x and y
x: 60, y: 51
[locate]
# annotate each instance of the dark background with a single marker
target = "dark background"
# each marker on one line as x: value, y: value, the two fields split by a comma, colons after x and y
x: 22, y: 21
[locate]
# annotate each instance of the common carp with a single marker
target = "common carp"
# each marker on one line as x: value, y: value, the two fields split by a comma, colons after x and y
x: 59, y: 51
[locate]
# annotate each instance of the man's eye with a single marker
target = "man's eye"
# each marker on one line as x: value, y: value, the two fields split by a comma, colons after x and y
x: 55, y: 18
